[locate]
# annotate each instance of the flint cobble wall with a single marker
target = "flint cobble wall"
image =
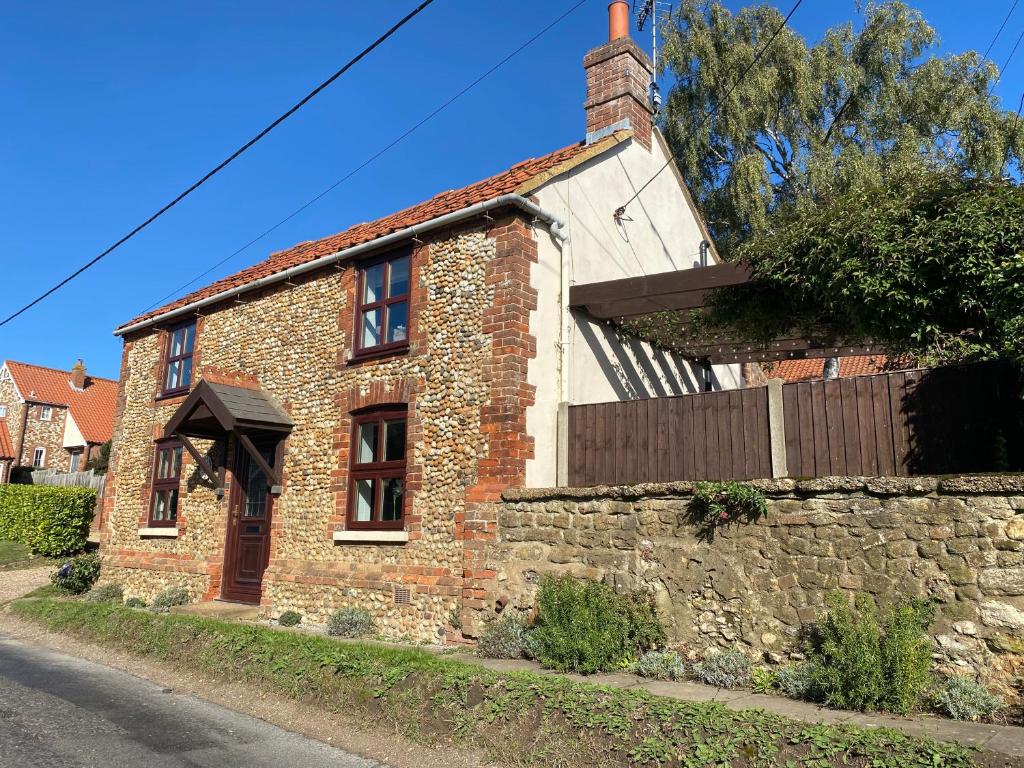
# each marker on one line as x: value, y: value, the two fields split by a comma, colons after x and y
x: 463, y: 380
x: 958, y: 541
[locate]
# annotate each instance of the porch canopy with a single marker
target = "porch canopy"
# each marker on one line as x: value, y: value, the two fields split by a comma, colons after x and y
x: 688, y: 290
x: 214, y: 411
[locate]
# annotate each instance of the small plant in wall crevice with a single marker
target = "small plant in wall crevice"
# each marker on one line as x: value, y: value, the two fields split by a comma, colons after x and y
x: 719, y: 503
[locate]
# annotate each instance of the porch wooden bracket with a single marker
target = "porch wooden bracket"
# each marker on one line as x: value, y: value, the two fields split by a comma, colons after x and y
x: 202, y: 461
x: 272, y: 474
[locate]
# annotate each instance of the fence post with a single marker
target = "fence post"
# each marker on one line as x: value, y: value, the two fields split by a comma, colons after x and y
x: 562, y: 447
x: 777, y: 428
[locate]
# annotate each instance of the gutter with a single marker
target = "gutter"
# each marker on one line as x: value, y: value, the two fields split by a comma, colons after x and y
x: 556, y: 226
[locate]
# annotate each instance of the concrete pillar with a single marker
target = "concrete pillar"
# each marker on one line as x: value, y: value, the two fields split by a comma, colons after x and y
x: 777, y: 428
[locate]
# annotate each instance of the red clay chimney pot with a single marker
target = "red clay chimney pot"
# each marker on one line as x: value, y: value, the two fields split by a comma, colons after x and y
x: 618, y: 20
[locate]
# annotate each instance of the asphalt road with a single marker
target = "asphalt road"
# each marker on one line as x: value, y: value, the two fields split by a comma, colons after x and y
x: 57, y: 711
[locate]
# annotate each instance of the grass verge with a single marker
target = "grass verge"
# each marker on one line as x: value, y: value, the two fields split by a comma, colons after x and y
x: 14, y: 556
x: 517, y: 719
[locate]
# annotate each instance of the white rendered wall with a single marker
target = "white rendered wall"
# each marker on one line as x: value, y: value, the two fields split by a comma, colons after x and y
x: 660, y: 234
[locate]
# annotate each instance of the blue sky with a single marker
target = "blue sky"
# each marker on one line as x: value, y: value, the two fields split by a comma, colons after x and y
x: 112, y: 108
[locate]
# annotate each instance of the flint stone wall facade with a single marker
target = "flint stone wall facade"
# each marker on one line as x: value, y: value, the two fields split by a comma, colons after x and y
x: 958, y: 541
x: 463, y: 378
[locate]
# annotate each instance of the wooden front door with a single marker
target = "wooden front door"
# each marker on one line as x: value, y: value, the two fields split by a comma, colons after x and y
x: 247, y: 548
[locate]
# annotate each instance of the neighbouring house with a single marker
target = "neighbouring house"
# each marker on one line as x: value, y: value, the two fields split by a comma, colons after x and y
x: 323, y: 428
x: 52, y: 419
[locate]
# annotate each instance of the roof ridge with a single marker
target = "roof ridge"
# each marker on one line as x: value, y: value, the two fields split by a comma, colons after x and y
x: 58, y: 370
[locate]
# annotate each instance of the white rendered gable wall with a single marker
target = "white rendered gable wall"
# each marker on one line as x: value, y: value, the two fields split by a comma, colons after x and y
x: 660, y: 233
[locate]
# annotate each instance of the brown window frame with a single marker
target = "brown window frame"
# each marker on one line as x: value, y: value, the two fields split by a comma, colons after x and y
x: 160, y: 485
x: 377, y: 470
x: 383, y: 304
x: 169, y: 359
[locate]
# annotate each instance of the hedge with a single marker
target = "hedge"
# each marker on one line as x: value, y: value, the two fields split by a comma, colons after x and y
x: 50, y: 520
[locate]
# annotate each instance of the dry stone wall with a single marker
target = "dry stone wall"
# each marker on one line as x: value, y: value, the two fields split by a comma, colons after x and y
x: 958, y: 541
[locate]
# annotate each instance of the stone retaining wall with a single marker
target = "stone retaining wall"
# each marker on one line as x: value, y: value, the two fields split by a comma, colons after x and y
x: 959, y: 541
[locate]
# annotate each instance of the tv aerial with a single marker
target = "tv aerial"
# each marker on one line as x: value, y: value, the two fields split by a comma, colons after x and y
x: 653, y: 11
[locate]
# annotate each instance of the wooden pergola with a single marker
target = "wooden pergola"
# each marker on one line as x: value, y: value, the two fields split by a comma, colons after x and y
x: 689, y: 290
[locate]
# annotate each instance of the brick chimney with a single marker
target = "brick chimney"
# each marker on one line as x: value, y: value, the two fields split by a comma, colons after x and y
x: 618, y: 82
x: 78, y: 375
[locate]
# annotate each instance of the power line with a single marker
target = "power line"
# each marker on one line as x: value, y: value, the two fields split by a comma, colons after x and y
x: 373, y: 157
x: 622, y: 209
x: 1010, y: 57
x: 1000, y: 30
x: 302, y: 102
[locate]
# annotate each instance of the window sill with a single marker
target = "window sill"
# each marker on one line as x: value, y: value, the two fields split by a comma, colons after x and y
x: 359, y: 357
x: 159, y: 532
x: 371, y: 537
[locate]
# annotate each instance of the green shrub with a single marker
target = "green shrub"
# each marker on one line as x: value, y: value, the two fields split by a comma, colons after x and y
x: 729, y: 501
x: 135, y: 602
x: 289, y: 618
x: 504, y: 638
x: 77, y: 575
x: 170, y: 597
x: 50, y: 520
x: 350, y: 621
x: 108, y: 593
x: 725, y: 669
x: 764, y: 679
x: 584, y: 626
x: 964, y: 698
x: 661, y: 665
x: 866, y: 664
x: 797, y: 680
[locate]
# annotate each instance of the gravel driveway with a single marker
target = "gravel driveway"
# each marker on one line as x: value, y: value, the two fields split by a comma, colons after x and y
x: 19, y: 582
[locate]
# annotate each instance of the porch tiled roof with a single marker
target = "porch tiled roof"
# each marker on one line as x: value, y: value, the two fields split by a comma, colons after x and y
x: 6, y: 444
x: 519, y: 179
x: 92, y: 408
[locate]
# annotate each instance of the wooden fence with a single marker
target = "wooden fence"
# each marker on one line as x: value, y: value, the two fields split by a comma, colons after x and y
x: 916, y: 422
x: 88, y: 479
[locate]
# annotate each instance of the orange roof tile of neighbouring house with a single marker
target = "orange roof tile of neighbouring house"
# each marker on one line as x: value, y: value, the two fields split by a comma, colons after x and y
x: 92, y: 407
x: 519, y: 179
x: 6, y: 445
x: 810, y: 369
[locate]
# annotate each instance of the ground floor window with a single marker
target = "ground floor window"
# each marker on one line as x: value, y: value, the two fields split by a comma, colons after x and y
x: 166, y: 482
x: 377, y: 462
x: 38, y: 457
x: 76, y: 457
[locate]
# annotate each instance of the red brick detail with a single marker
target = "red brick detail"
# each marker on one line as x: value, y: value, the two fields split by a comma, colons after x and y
x: 232, y: 378
x: 618, y: 88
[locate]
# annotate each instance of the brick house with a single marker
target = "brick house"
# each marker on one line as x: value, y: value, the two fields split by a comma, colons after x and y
x: 328, y: 426
x: 52, y: 419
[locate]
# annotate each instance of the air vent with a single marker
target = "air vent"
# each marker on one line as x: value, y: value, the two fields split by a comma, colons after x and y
x: 403, y: 596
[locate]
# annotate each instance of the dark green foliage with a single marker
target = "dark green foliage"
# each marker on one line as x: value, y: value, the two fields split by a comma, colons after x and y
x: 289, y: 618
x: 584, y: 626
x: 521, y: 717
x: 928, y: 267
x: 52, y: 521
x: 108, y: 593
x: 77, y: 575
x: 350, y: 621
x: 866, y: 664
x: 504, y: 638
x: 135, y: 602
x: 721, y: 503
x: 101, y: 460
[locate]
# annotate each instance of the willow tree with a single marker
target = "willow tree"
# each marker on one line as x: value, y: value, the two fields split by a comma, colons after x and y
x: 810, y: 122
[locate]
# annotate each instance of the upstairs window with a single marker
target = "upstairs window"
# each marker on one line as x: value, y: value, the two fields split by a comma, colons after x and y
x: 3, y: 411
x: 382, y: 305
x: 45, y: 413
x: 163, y: 510
x: 39, y: 458
x: 377, y: 487
x: 181, y: 342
